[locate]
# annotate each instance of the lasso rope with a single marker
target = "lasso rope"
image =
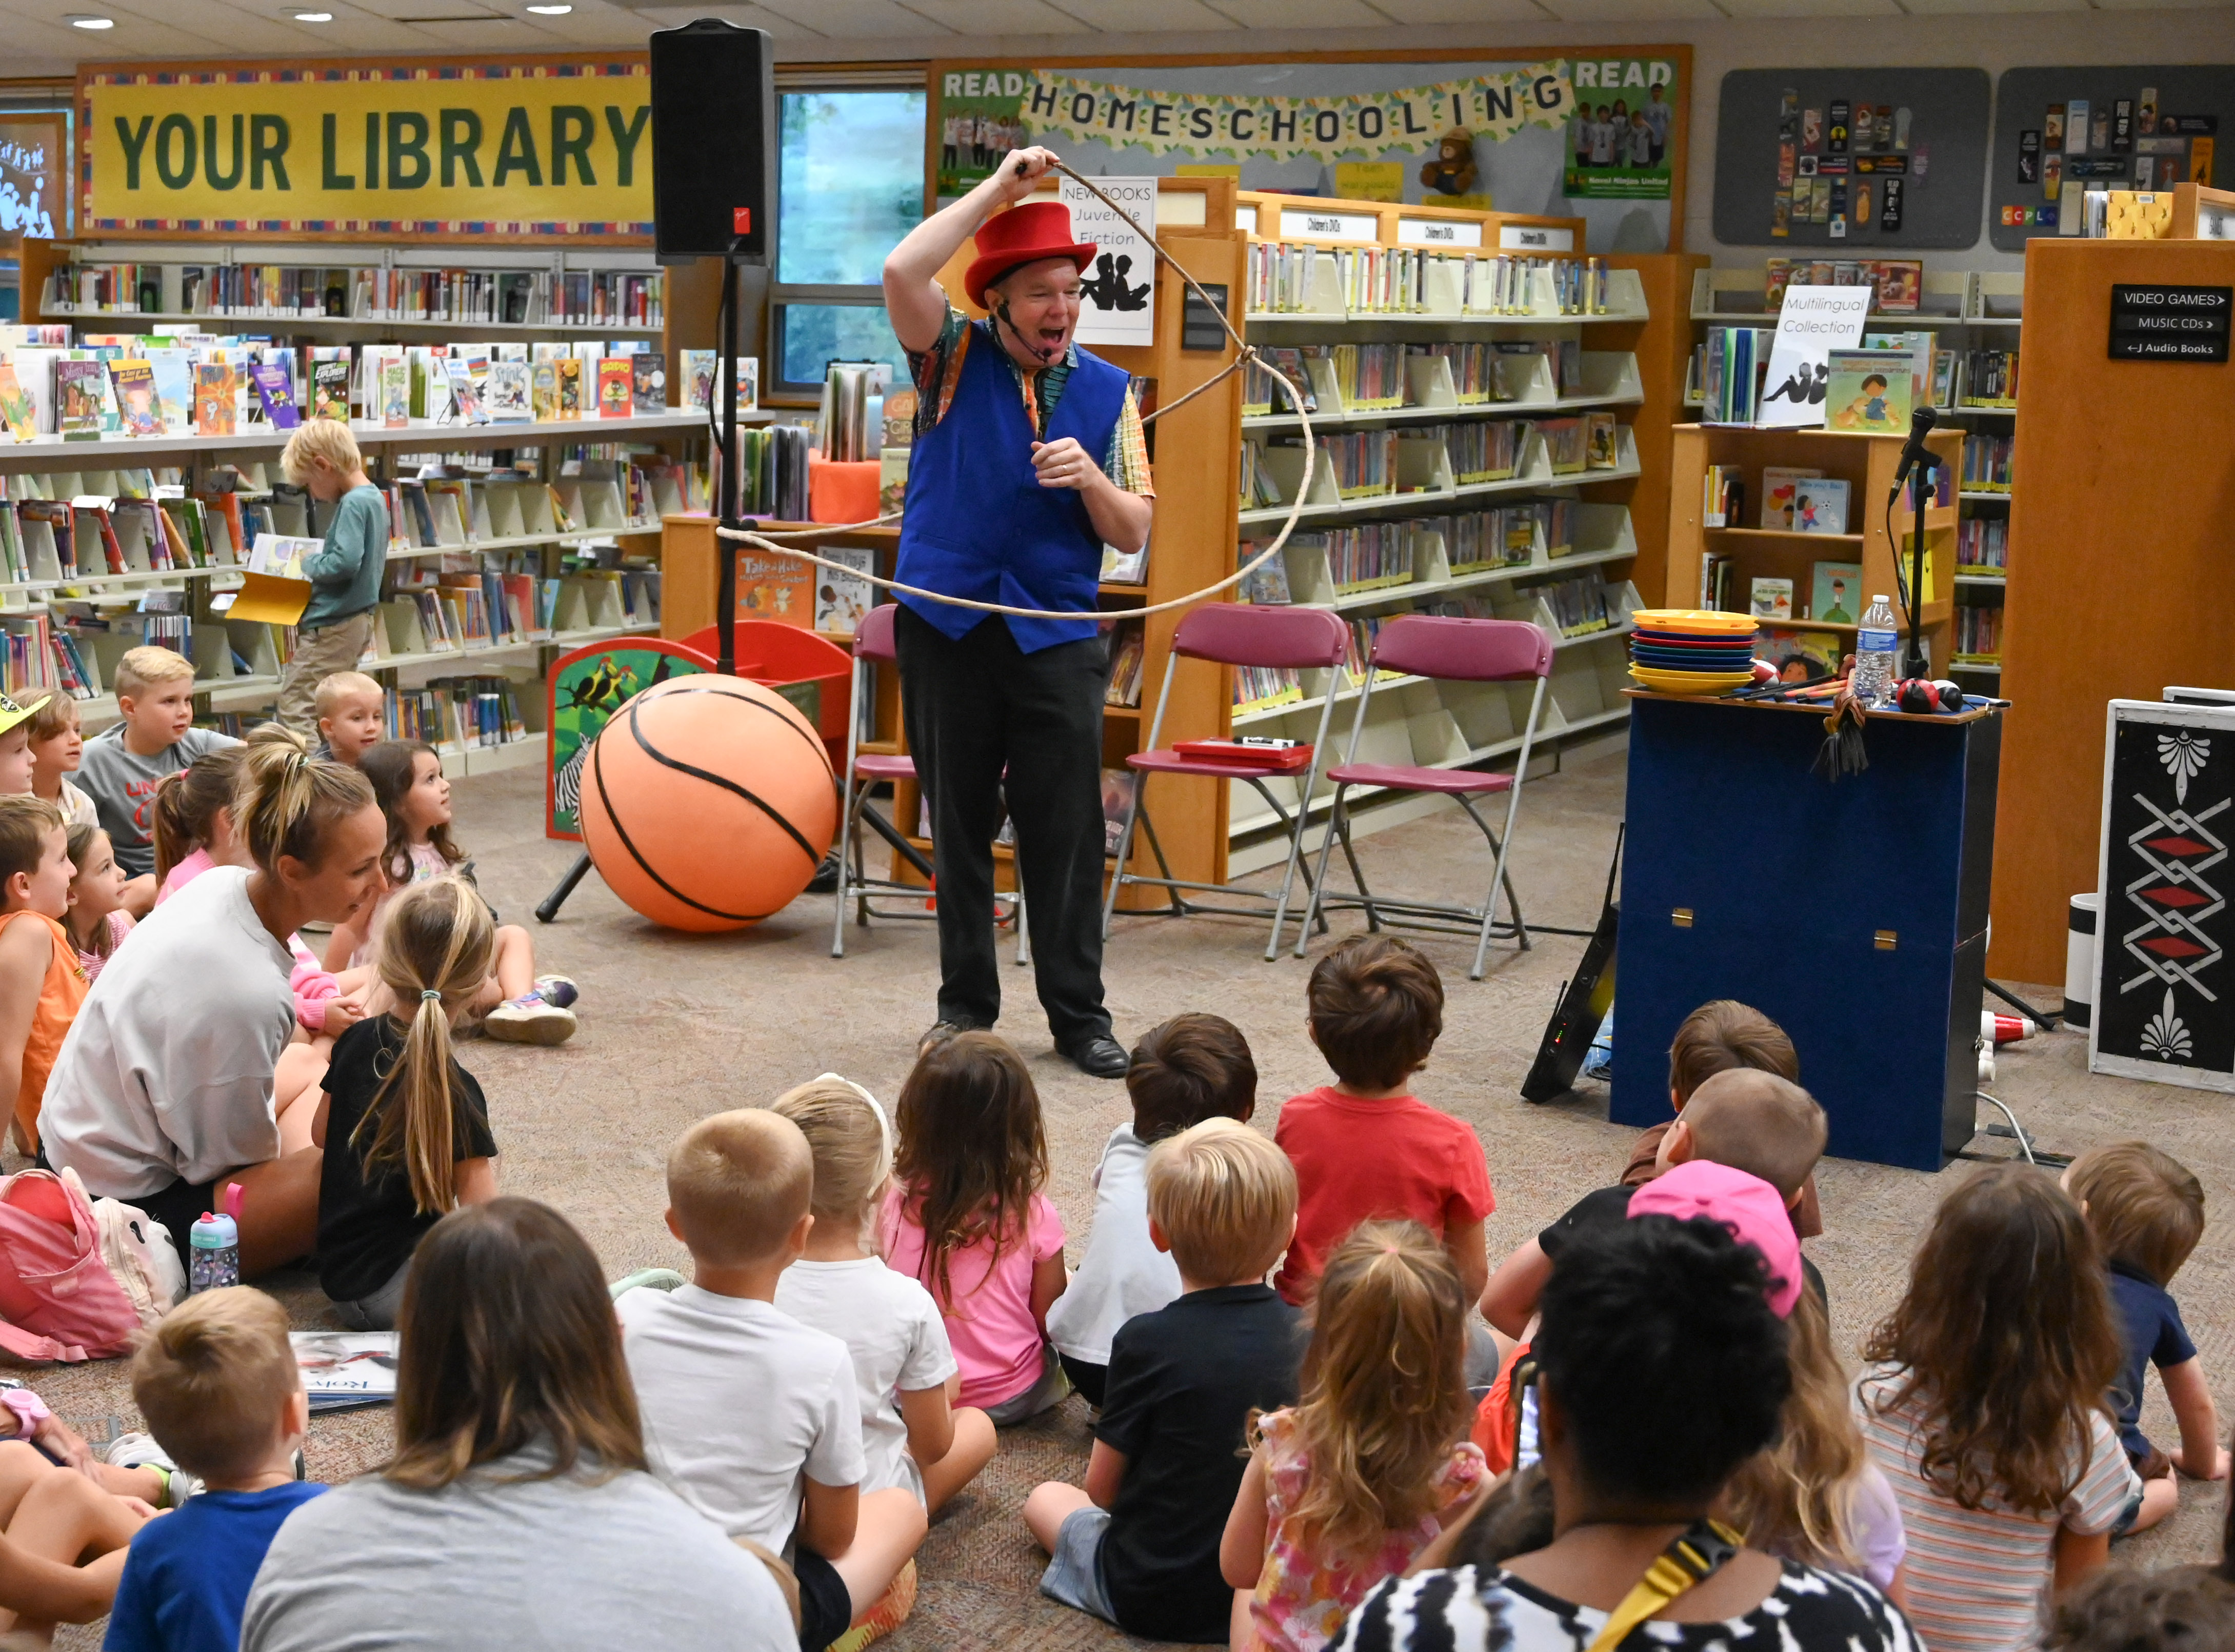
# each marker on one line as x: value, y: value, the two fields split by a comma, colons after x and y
x: 1246, y: 353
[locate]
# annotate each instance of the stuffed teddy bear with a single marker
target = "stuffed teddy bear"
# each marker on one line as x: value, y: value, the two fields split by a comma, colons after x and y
x: 1452, y: 173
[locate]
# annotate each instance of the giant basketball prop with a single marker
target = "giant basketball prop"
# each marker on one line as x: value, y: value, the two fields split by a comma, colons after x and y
x: 707, y: 803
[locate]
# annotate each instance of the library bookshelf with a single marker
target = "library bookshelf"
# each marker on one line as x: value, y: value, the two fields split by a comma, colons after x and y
x: 533, y: 519
x: 1974, y: 315
x: 1482, y: 503
x: 2120, y: 598
x: 1865, y: 463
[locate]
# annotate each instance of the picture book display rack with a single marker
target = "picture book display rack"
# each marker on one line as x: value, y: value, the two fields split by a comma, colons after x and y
x: 1974, y: 315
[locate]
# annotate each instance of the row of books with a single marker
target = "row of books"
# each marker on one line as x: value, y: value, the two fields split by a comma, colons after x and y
x: 458, y: 711
x: 1506, y: 537
x: 1582, y: 605
x: 1731, y: 364
x: 58, y: 540
x: 1487, y: 450
x: 1385, y: 555
x: 1376, y: 377
x: 1978, y: 633
x: 1298, y: 278
x: 1982, y: 545
x: 1987, y: 463
x: 1990, y: 378
x: 273, y: 292
x: 123, y: 387
x: 772, y: 472
x: 1363, y: 462
x: 1896, y: 284
x: 1128, y: 653
x: 1369, y: 557
x: 1368, y: 377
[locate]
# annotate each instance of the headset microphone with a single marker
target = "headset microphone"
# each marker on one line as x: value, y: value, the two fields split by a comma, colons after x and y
x: 1039, y: 353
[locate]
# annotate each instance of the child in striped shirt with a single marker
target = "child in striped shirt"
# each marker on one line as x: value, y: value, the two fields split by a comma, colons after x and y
x: 1985, y: 1407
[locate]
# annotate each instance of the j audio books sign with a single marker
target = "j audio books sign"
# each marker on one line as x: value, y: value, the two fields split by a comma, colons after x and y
x: 548, y: 147
x: 2169, y: 324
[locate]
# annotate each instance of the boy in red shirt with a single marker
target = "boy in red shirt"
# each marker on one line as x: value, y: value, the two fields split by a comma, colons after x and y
x: 1365, y: 1149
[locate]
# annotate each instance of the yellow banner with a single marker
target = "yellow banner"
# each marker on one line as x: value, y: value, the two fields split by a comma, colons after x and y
x: 550, y: 148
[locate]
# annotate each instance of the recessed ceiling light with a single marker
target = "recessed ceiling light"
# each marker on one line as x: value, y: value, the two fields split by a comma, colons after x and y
x: 551, y: 11
x: 92, y: 22
x: 313, y: 17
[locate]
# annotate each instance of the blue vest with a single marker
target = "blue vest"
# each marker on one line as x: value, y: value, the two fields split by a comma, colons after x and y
x: 978, y: 523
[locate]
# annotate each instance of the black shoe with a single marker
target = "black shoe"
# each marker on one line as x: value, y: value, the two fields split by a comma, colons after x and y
x: 943, y: 1030
x: 825, y: 881
x: 1099, y: 1057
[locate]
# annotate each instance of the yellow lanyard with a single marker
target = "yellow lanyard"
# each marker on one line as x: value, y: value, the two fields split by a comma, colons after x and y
x: 1694, y: 1555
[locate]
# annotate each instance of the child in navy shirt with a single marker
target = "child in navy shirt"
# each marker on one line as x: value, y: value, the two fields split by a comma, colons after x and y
x: 218, y: 1384
x: 2146, y: 1211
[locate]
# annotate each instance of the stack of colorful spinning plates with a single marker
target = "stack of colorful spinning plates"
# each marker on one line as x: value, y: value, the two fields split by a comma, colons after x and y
x: 1691, y: 651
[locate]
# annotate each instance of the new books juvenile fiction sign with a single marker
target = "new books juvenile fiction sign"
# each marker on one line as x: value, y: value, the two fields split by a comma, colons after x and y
x: 526, y: 148
x: 1119, y: 289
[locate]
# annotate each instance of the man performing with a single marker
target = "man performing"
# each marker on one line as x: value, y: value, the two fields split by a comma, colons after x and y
x: 1029, y: 457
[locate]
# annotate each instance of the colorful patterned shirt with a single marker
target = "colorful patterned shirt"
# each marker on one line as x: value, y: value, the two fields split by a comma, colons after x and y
x: 938, y: 370
x: 1304, y: 1595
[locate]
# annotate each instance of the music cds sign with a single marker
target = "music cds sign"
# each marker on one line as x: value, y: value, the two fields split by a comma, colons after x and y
x: 2169, y: 324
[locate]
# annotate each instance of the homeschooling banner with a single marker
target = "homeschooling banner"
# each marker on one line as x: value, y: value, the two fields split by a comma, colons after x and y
x: 1554, y: 132
x: 547, y: 149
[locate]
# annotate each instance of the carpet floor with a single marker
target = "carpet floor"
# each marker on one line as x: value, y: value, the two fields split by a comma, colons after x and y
x: 675, y: 1026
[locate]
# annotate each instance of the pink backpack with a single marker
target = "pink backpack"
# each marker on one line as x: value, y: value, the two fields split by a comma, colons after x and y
x: 58, y: 1299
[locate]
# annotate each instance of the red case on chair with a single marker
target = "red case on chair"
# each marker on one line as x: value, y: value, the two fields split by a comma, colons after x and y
x: 1272, y: 759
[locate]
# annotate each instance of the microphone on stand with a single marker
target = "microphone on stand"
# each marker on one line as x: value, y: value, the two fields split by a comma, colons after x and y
x: 1914, y: 452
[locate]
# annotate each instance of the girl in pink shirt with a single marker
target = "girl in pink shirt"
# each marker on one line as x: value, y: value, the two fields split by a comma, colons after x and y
x: 965, y: 1216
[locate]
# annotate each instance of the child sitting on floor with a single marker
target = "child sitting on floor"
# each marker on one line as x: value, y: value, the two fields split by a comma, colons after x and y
x: 57, y: 748
x: 42, y: 984
x: 97, y: 921
x: 1138, y: 1544
x: 1191, y: 1068
x: 192, y: 821
x: 1984, y: 1406
x: 966, y: 1218
x: 64, y: 1546
x: 912, y: 1434
x: 218, y: 1385
x: 405, y: 1128
x: 751, y: 1417
x: 123, y: 765
x: 1718, y: 1037
x: 1345, y: 1489
x: 1365, y: 1149
x: 2146, y: 1211
x: 353, y: 717
x: 517, y: 1005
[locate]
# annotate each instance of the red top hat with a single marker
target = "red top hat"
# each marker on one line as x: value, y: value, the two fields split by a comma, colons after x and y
x: 1023, y: 235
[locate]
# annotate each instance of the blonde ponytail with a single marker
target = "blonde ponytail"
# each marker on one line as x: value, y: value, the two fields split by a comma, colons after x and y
x: 285, y: 800
x: 435, y: 954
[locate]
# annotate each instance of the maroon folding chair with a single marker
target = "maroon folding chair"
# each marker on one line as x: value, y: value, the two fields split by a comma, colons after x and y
x: 865, y: 771
x: 1233, y: 633
x: 1450, y: 649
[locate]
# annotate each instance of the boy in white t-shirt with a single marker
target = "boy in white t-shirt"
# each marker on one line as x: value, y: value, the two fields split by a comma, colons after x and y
x: 750, y: 1417
x: 1191, y: 1068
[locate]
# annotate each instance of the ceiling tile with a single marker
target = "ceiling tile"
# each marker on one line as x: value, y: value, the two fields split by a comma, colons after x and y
x: 1465, y: 10
x: 1627, y: 10
x: 1146, y: 16
x: 1302, y: 13
x: 856, y: 19
x: 997, y: 17
x: 670, y: 14
x: 1810, y: 8
x: 498, y: 34
x: 590, y: 25
x: 356, y: 30
x: 2158, y: 5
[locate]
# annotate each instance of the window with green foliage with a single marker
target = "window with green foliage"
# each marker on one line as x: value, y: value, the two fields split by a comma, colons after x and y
x: 849, y: 184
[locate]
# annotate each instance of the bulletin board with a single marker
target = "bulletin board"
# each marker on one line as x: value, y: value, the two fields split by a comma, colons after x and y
x: 1547, y: 130
x: 1862, y: 158
x: 2147, y: 128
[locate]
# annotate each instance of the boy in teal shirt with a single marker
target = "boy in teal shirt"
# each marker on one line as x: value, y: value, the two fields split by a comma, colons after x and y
x: 332, y: 636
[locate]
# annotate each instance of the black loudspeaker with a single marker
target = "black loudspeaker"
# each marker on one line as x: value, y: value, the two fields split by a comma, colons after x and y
x: 713, y: 141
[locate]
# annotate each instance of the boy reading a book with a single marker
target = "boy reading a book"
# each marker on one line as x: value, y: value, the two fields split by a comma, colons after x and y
x: 332, y: 635
x: 218, y: 1385
x: 753, y: 1418
x: 353, y: 717
x: 125, y: 762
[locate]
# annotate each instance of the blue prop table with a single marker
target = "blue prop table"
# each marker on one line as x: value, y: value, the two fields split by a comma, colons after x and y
x: 1854, y: 915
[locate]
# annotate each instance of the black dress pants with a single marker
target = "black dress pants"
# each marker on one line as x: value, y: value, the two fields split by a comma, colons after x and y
x: 974, y: 706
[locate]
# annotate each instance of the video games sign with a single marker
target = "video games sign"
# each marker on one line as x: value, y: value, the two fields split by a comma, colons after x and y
x: 2169, y: 324
x: 2165, y: 994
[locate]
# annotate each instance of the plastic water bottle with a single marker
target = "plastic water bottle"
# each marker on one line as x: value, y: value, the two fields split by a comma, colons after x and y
x: 215, y: 1241
x: 1876, y: 641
